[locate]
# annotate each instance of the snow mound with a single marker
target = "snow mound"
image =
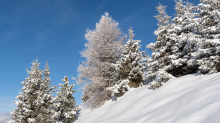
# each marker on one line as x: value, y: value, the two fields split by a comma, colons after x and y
x: 188, y: 99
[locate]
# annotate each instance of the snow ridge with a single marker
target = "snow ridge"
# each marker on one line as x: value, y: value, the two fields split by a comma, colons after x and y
x: 188, y: 99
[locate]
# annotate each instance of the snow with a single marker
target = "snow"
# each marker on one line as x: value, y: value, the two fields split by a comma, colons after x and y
x: 188, y: 99
x: 116, y: 87
x: 31, y: 120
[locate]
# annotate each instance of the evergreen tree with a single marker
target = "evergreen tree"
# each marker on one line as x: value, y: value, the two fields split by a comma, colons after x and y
x: 103, y: 49
x: 198, y: 41
x: 162, y: 17
x: 207, y: 54
x: 130, y: 67
x: 188, y: 45
x: 35, y: 102
x: 179, y: 7
x: 173, y: 47
x: 66, y: 101
x: 161, y: 49
x: 183, y: 38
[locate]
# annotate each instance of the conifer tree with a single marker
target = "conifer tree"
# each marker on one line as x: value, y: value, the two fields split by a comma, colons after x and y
x: 161, y: 49
x: 179, y: 7
x: 129, y: 67
x: 183, y: 38
x: 207, y: 54
x: 198, y: 41
x: 188, y: 45
x: 66, y: 108
x: 35, y: 102
x: 103, y: 49
x: 173, y: 47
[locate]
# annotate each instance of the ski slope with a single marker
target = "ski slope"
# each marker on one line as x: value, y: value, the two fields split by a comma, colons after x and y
x: 188, y: 99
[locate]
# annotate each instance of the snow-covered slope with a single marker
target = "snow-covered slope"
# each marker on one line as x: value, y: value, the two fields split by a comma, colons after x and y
x: 188, y: 99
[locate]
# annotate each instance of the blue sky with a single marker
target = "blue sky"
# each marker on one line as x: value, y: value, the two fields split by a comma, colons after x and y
x: 54, y: 30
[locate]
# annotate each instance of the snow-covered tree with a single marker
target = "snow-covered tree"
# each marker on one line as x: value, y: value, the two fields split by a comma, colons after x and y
x: 173, y: 47
x: 181, y: 34
x: 207, y: 54
x: 35, y: 103
x: 198, y: 41
x: 161, y: 49
x: 197, y: 49
x: 162, y: 17
x: 179, y: 7
x: 129, y: 67
x: 66, y: 101
x: 189, y: 44
x: 103, y: 49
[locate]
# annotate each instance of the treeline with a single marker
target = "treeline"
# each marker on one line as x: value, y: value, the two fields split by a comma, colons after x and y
x: 189, y: 43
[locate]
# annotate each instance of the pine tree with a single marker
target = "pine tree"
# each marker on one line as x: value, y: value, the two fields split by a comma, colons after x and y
x: 161, y: 49
x: 66, y: 101
x: 103, y: 49
x: 188, y: 45
x: 179, y: 7
x: 173, y: 47
x: 47, y: 99
x: 130, y: 67
x: 183, y: 38
x: 35, y: 102
x: 197, y: 49
x: 207, y: 54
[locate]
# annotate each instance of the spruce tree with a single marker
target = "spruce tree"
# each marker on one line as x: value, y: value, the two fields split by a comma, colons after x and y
x: 161, y: 50
x: 173, y: 47
x: 207, y: 54
x: 66, y: 101
x: 35, y: 102
x: 179, y: 7
x: 198, y: 39
x: 181, y: 33
x: 129, y: 67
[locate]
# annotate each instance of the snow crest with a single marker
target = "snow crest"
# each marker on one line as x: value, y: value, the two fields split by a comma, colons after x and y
x: 188, y: 99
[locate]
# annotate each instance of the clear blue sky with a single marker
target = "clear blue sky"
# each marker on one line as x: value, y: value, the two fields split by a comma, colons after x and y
x: 54, y: 30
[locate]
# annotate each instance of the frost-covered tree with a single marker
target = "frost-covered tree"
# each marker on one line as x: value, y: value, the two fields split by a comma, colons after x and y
x: 190, y: 43
x: 197, y: 49
x: 35, y: 103
x: 179, y: 7
x: 162, y: 16
x: 207, y: 54
x: 161, y: 49
x: 173, y: 47
x: 199, y: 39
x: 103, y: 49
x: 66, y: 101
x: 181, y: 34
x: 129, y: 67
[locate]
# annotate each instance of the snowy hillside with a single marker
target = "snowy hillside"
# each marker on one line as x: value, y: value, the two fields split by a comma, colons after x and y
x: 188, y: 99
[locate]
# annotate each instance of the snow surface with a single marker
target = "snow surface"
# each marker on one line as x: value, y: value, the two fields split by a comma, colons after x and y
x: 188, y: 99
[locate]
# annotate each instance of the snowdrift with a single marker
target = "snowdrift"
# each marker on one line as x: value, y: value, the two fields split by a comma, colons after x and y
x: 188, y: 99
